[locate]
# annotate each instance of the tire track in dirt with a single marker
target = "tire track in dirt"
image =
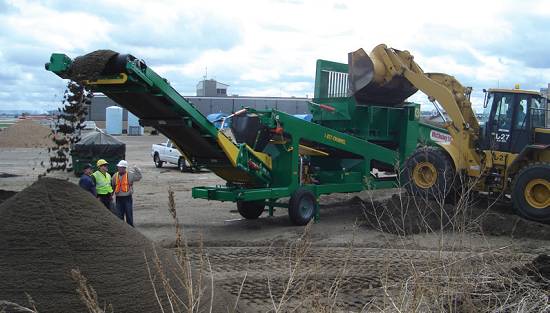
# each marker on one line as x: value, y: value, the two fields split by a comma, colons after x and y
x: 359, y: 273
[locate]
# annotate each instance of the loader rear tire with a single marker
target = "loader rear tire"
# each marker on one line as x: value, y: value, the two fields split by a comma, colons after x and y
x: 531, y: 192
x: 302, y: 207
x: 251, y: 210
x: 429, y: 172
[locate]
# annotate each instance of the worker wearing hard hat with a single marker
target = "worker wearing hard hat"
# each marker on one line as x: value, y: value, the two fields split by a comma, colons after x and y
x: 103, y: 186
x: 122, y: 183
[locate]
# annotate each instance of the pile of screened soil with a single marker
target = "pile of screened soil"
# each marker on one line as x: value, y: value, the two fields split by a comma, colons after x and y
x: 54, y: 226
x: 26, y: 134
x: 538, y: 271
x: 7, y: 175
x: 404, y: 215
x: 5, y: 195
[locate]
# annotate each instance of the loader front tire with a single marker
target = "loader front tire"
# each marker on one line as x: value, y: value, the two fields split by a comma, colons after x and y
x: 531, y: 192
x: 251, y: 210
x: 429, y: 172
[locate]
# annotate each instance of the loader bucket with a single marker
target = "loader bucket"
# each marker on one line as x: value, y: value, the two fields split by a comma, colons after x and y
x: 369, y: 83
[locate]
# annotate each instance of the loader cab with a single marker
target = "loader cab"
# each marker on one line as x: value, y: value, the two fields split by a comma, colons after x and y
x: 509, y: 119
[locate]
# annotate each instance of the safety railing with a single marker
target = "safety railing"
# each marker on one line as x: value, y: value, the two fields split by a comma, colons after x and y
x: 337, y: 84
x: 331, y: 80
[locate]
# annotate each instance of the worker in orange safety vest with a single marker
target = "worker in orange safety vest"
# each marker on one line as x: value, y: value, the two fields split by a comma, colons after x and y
x: 122, y: 182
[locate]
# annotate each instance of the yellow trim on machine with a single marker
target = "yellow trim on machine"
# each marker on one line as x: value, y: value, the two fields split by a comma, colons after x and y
x: 184, y: 155
x: 544, y: 155
x: 228, y: 148
x: 121, y: 79
x: 537, y: 193
x: 232, y: 174
x: 305, y: 150
x: 232, y: 152
x: 543, y: 130
x: 520, y: 91
x: 424, y: 175
x: 265, y: 158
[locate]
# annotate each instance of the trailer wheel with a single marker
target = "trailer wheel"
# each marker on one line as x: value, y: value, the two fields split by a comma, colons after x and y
x: 251, y: 209
x: 531, y: 192
x: 302, y: 207
x: 158, y: 162
x: 429, y: 172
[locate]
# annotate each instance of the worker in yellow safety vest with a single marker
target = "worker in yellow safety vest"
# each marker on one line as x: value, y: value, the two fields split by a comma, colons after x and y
x: 123, y: 184
x: 103, y: 187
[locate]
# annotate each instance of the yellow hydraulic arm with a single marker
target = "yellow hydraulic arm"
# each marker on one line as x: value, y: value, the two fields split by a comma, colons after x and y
x: 390, y: 71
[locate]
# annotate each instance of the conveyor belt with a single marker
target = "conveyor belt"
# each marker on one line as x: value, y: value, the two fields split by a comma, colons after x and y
x: 157, y: 111
x: 134, y: 86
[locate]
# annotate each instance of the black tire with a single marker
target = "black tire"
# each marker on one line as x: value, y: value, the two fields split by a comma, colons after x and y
x: 302, y: 207
x: 251, y: 210
x: 158, y: 162
x: 531, y: 178
x: 181, y: 165
x: 429, y: 172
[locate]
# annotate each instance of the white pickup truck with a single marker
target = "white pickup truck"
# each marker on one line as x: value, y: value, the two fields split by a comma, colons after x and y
x: 168, y: 153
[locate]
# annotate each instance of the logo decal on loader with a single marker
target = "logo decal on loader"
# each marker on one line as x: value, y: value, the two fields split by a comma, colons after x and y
x: 440, y: 137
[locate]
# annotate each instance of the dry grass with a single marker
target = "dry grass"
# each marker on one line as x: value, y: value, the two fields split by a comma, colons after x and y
x: 456, y: 286
x: 88, y: 295
x: 296, y: 277
x: 458, y: 279
x: 297, y: 272
x: 10, y: 307
x: 461, y: 278
x: 183, y: 285
x: 326, y: 298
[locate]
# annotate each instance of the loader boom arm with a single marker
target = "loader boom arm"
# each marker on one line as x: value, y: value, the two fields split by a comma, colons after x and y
x: 390, y: 65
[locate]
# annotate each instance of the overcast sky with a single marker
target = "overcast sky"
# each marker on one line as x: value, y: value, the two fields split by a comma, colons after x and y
x: 269, y: 48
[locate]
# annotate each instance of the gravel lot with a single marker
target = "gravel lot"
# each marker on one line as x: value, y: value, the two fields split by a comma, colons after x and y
x: 237, y: 247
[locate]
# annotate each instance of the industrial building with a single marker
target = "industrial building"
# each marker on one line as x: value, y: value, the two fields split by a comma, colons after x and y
x: 211, y: 98
x: 211, y: 88
x: 208, y: 105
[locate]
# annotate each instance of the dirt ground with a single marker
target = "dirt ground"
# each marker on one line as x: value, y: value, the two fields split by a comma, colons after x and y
x: 254, y: 248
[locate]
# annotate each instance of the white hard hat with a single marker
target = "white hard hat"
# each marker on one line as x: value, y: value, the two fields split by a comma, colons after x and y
x: 122, y: 163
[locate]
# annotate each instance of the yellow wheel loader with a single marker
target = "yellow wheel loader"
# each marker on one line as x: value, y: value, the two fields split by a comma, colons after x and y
x: 505, y: 152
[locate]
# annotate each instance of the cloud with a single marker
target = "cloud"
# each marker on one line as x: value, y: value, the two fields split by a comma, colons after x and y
x: 526, y: 41
x: 340, y: 6
x: 269, y: 47
x: 6, y: 7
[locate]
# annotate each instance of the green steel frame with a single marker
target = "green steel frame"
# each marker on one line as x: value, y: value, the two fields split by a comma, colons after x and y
x: 349, y: 140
